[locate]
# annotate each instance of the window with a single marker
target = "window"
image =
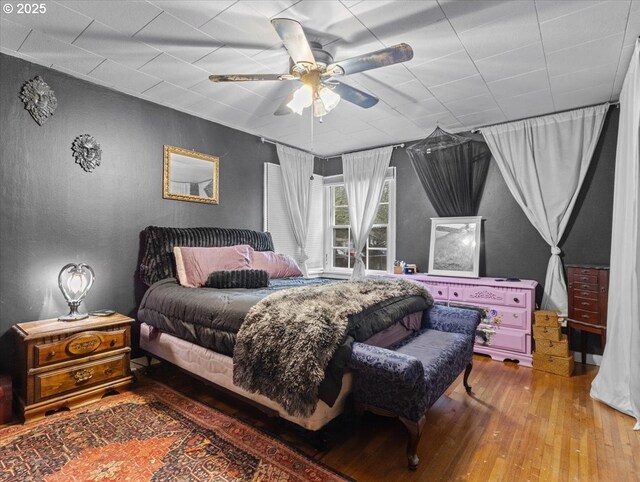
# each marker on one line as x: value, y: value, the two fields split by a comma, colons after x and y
x: 379, y: 252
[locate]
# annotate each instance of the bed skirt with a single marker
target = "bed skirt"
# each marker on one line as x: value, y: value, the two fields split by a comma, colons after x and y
x: 218, y: 369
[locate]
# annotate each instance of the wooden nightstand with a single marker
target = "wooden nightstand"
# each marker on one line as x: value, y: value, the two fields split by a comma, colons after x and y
x: 70, y: 363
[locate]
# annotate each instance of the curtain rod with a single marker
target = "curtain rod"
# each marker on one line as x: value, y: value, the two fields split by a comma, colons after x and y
x: 269, y: 141
x: 477, y: 129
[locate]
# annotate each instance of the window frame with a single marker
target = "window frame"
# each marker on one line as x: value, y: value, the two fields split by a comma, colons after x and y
x: 332, y: 181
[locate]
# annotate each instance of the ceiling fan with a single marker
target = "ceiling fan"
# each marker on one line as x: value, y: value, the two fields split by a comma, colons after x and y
x: 315, y: 68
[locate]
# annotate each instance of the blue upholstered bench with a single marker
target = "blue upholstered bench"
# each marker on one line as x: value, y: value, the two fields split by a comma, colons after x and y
x: 405, y: 380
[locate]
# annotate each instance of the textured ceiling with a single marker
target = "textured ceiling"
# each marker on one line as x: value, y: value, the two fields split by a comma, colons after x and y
x: 475, y: 62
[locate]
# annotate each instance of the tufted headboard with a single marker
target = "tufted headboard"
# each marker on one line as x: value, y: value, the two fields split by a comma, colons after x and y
x: 157, y: 257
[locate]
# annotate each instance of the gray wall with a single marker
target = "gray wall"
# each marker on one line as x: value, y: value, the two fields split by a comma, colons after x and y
x: 512, y: 246
x: 53, y: 212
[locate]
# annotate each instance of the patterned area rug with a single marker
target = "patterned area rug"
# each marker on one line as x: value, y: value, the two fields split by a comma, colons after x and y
x: 153, y: 433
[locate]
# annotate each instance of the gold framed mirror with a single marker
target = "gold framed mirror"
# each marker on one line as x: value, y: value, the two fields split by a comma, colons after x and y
x: 190, y: 176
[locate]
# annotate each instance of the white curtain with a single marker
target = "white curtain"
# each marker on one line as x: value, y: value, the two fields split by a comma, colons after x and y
x: 364, y: 174
x: 544, y: 161
x: 297, y: 170
x: 618, y: 381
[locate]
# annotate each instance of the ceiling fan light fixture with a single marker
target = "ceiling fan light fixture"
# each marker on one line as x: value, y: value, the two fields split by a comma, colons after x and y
x: 329, y: 98
x: 303, y: 97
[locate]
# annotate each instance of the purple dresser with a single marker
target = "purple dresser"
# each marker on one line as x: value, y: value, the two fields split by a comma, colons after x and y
x: 514, y: 302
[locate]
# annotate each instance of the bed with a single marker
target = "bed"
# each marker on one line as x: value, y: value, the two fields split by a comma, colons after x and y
x: 195, y: 328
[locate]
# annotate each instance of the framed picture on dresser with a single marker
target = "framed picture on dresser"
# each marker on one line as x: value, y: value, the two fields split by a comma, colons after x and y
x: 454, y: 249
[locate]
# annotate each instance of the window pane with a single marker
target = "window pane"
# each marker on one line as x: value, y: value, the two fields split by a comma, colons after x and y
x: 341, y: 237
x: 340, y: 258
x: 385, y: 193
x: 382, y: 216
x: 342, y: 216
x: 378, y: 259
x: 378, y: 237
x: 340, y: 194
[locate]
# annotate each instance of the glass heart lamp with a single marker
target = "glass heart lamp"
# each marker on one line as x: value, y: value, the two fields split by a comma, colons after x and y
x: 75, y: 281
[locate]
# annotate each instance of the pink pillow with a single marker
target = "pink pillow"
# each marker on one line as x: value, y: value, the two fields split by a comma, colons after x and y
x: 277, y: 265
x: 193, y: 265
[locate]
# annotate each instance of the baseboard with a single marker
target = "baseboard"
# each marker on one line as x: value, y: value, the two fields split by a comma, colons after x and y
x: 591, y: 359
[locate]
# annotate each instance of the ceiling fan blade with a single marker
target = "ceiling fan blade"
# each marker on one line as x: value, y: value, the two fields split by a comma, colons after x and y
x: 372, y: 60
x: 283, y: 109
x: 353, y: 95
x: 249, y: 77
x: 294, y: 41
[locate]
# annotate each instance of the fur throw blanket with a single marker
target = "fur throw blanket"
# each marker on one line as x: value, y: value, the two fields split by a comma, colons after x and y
x: 287, y: 339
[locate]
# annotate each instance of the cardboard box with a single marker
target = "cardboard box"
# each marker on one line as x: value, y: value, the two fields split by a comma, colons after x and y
x: 547, y: 333
x: 546, y: 318
x: 554, y: 364
x: 551, y: 347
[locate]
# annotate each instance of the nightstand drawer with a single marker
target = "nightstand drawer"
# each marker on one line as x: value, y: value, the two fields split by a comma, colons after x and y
x: 79, y: 377
x: 81, y: 344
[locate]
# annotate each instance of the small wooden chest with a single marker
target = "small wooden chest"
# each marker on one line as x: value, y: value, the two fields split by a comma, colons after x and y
x: 551, y: 347
x: 547, y: 333
x: 553, y: 364
x: 6, y: 399
x: 546, y: 318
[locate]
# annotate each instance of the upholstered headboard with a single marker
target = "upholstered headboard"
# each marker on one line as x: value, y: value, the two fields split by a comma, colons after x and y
x: 157, y: 258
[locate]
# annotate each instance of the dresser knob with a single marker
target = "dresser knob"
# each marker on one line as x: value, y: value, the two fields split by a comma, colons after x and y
x: 584, y: 303
x: 108, y: 371
x: 51, y: 354
x: 113, y: 342
x: 585, y: 294
x: 585, y: 316
x: 439, y: 292
x: 516, y: 300
x: 515, y: 315
x: 584, y: 271
x: 455, y: 293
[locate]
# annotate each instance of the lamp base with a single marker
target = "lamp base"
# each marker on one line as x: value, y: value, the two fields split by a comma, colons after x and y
x: 73, y: 317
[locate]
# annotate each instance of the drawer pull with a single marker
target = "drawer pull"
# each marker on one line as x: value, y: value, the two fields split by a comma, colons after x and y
x: 585, y: 271
x: 439, y: 292
x: 550, y: 344
x: 108, y: 371
x: 51, y: 354
x: 113, y: 342
x: 585, y: 316
x: 585, y: 294
x: 515, y: 315
x: 584, y: 278
x: 516, y: 300
x: 83, y: 375
x: 584, y: 303
x: 455, y: 293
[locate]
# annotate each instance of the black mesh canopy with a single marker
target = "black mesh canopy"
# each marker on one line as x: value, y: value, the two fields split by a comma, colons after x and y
x: 452, y: 169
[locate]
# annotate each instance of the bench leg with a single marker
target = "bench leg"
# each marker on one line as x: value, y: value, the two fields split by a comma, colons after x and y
x: 465, y: 380
x: 415, y: 431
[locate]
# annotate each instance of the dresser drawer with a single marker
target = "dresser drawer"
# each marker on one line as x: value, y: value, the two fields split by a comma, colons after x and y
x: 582, y: 278
x: 586, y: 304
x: 586, y: 316
x: 82, y: 376
x: 81, y: 344
x: 580, y: 271
x: 480, y: 295
x: 512, y: 318
x: 590, y: 295
x: 438, y: 292
x: 586, y: 286
x: 512, y: 340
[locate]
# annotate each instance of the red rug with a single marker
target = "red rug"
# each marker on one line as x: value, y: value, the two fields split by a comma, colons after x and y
x: 153, y: 433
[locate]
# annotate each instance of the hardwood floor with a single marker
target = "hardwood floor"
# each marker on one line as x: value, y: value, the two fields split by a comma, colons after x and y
x: 518, y: 424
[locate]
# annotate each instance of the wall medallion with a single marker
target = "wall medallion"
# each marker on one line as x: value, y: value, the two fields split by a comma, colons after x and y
x: 38, y: 99
x: 87, y: 152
